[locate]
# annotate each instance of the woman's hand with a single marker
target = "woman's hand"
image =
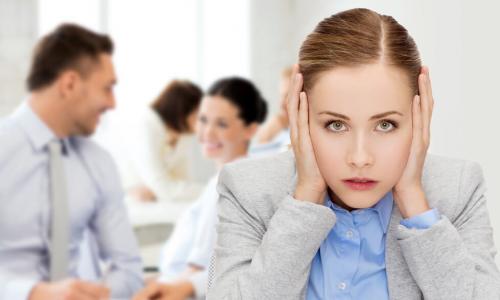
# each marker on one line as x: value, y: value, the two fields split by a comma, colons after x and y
x: 408, y: 192
x: 310, y: 183
x: 142, y: 193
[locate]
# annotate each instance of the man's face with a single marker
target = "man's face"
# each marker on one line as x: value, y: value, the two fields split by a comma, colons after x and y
x: 93, y: 95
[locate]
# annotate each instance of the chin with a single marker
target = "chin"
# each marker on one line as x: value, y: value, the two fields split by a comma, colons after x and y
x: 359, y: 199
x: 362, y: 202
x: 211, y: 154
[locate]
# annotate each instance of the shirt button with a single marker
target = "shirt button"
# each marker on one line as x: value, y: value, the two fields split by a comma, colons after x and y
x: 342, y: 285
x: 349, y: 234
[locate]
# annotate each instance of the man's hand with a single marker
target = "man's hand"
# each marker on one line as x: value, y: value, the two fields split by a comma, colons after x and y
x: 180, y: 290
x: 69, y: 289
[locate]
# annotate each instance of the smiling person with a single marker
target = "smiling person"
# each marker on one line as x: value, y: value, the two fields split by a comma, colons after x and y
x: 159, y: 146
x: 228, y: 119
x: 358, y: 209
x: 57, y: 183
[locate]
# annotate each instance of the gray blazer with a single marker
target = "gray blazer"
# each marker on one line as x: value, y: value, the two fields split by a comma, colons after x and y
x: 267, y: 239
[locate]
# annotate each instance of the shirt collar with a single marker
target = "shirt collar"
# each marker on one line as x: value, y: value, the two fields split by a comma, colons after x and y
x: 383, y: 208
x: 39, y: 134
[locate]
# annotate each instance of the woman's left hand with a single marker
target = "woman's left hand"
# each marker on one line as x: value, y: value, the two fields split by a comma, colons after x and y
x: 408, y: 192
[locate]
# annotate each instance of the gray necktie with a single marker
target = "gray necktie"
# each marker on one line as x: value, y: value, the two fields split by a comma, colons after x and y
x: 60, y: 218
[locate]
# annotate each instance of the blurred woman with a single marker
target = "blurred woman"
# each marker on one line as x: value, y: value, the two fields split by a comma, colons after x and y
x: 228, y: 119
x: 158, y: 153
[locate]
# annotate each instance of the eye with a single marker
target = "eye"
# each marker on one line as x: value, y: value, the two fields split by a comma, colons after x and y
x: 386, y: 126
x: 202, y: 119
x: 336, y: 126
x: 222, y: 124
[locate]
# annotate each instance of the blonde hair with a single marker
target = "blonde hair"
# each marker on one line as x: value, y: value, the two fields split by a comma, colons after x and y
x: 356, y: 37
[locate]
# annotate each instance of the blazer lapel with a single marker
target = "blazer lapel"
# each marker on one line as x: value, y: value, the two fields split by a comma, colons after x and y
x: 399, y: 280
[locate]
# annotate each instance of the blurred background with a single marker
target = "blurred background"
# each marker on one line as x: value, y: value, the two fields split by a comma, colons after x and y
x: 157, y: 41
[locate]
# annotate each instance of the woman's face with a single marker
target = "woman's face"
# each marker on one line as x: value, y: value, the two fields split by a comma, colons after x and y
x: 221, y: 132
x: 361, y: 128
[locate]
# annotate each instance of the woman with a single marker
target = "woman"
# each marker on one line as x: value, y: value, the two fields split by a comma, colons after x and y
x: 358, y: 210
x: 228, y: 119
x: 159, y: 148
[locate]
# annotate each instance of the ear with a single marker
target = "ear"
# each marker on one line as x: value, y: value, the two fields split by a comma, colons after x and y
x: 68, y: 83
x: 251, y: 130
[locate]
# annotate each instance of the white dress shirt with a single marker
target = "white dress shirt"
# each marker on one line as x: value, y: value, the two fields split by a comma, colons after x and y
x: 151, y: 161
x: 95, y: 201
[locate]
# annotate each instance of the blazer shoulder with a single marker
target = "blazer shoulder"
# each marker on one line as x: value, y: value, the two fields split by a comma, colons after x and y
x: 452, y: 184
x: 258, y: 185
x: 260, y: 173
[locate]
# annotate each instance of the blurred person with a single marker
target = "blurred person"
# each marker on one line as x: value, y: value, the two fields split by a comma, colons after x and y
x: 159, y: 146
x: 274, y: 136
x: 228, y: 119
x: 57, y: 184
x: 357, y: 209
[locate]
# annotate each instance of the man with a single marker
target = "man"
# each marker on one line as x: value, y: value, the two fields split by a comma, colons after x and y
x: 56, y: 184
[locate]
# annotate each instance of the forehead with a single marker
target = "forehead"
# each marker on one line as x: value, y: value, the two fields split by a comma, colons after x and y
x: 103, y: 69
x: 372, y: 88
x: 218, y: 106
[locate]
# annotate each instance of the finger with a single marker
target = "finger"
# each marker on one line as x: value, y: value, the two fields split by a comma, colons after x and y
x: 293, y: 107
x: 429, y: 85
x: 153, y: 290
x: 290, y: 102
x: 94, y: 290
x: 416, y: 123
x: 303, y: 118
x: 80, y: 296
x: 293, y: 101
x: 425, y: 70
x: 425, y: 108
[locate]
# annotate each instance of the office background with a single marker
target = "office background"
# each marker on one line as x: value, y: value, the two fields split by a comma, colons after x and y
x: 203, y: 40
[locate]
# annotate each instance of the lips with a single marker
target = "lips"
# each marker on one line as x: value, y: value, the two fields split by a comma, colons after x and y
x: 210, y: 146
x: 360, y: 184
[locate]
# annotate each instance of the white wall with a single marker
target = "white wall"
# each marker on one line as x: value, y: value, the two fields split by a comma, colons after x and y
x: 458, y: 40
x: 18, y: 25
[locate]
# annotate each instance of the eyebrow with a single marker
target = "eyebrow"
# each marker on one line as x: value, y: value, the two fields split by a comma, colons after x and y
x: 374, y: 117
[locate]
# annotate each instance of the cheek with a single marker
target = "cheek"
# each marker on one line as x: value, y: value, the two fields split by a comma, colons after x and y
x: 392, y: 156
x: 329, y: 151
x: 229, y: 136
x: 199, y: 130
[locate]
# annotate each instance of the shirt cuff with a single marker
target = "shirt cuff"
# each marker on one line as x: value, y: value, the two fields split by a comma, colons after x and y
x: 18, y: 290
x: 422, y: 221
x: 199, y: 280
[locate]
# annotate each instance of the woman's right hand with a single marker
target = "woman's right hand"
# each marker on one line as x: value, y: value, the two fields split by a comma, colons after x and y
x: 310, y: 183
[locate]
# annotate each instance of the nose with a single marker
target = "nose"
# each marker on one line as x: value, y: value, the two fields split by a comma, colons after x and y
x: 359, y: 155
x: 111, y: 102
x: 208, y: 131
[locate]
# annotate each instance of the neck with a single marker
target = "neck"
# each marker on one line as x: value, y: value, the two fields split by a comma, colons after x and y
x: 335, y: 199
x: 47, y: 106
x: 239, y: 154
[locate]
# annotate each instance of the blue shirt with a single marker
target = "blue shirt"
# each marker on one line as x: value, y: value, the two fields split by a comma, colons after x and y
x: 350, y: 263
x: 95, y: 201
x: 278, y: 144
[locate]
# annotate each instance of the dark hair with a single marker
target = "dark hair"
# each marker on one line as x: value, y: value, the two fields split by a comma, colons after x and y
x: 243, y: 94
x: 356, y: 37
x: 176, y: 102
x: 67, y: 47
